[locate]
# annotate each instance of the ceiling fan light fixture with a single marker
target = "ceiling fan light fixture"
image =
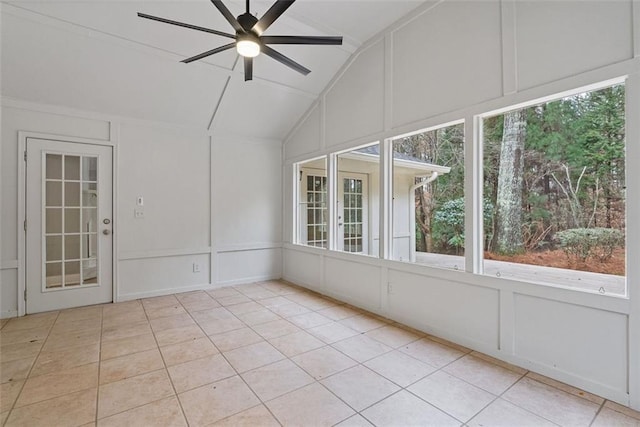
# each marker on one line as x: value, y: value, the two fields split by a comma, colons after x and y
x: 247, y: 46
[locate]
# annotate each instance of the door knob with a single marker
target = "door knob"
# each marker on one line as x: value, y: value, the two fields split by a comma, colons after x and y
x: 106, y: 232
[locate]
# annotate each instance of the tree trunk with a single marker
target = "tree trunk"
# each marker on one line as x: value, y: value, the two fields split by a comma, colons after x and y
x: 510, y: 184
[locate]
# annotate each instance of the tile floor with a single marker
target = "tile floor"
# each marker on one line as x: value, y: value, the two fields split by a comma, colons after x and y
x: 260, y: 355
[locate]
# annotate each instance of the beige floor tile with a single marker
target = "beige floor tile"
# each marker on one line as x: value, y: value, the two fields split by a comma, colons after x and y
x: 187, y: 351
x: 332, y: 332
x: 76, y: 326
x: 21, y: 350
x: 214, y: 327
x: 502, y: 364
x: 171, y: 322
x: 178, y: 335
x: 120, y: 308
x: 126, y: 394
x: 431, y: 352
x: 128, y: 366
x: 485, y: 375
x: 457, y: 398
x: 123, y: 346
x: 22, y: 336
x: 69, y: 410
x: 232, y: 299
x: 339, y: 312
x: 276, y: 328
x: 52, y: 361
x: 361, y: 348
x: 623, y: 409
x: 363, y: 323
x: 310, y: 405
x: 62, y: 341
x: 196, y: 373
x: 245, y: 307
x: 203, y: 304
x: 9, y: 393
x: 566, y: 388
x: 276, y: 379
x: 405, y: 409
x: 169, y: 311
x: 214, y: 402
x: 309, y: 320
x: 159, y: 302
x: 450, y: 344
x: 551, y: 403
x: 296, y: 343
x: 214, y: 314
x: 15, y: 370
x: 193, y: 296
x: 222, y: 292
x: 31, y: 321
x: 274, y: 302
x: 58, y: 383
x: 127, y: 330
x: 289, y: 310
x: 3, y: 322
x: 257, y: 317
x: 323, y: 362
x: 79, y: 314
x: 256, y: 416
x: 5, y: 415
x: 253, y: 356
x: 260, y: 294
x: 360, y: 387
x: 355, y: 421
x: 400, y: 368
x: 608, y: 417
x: 312, y: 302
x: 165, y: 412
x: 236, y: 338
x: 393, y: 336
x: 504, y: 414
x: 127, y: 318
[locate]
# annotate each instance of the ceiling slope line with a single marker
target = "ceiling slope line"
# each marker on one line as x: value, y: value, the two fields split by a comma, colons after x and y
x: 224, y: 91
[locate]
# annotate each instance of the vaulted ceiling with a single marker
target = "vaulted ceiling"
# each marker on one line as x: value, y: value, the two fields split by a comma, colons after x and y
x: 97, y: 55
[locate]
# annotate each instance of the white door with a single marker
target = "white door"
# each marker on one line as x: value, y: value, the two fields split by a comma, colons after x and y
x: 353, y: 221
x: 69, y: 214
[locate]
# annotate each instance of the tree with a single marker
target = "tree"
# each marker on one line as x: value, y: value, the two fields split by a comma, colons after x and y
x: 508, y: 230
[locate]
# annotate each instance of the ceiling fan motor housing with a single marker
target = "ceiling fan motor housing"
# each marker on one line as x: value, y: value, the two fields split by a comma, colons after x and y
x: 247, y: 21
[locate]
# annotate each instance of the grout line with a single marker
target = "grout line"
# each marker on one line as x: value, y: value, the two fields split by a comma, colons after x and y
x: 99, y: 365
x: 597, y: 413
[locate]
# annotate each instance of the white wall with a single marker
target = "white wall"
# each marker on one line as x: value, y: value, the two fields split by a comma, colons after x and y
x: 208, y: 199
x: 450, y: 62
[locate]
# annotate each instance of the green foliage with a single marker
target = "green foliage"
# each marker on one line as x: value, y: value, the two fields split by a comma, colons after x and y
x: 582, y: 243
x: 448, y: 224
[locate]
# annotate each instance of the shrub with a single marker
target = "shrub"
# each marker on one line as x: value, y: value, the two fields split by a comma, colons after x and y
x: 448, y: 223
x: 582, y: 243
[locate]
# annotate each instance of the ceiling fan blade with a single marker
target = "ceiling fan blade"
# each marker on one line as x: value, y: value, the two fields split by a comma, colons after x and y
x: 248, y: 68
x: 285, y: 60
x: 318, y: 40
x: 182, y: 24
x: 209, y: 53
x: 271, y: 15
x: 227, y: 15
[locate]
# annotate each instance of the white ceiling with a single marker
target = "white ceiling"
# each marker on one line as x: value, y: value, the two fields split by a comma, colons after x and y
x: 97, y: 55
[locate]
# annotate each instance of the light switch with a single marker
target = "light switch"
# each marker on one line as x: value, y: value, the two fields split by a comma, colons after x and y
x: 140, y: 201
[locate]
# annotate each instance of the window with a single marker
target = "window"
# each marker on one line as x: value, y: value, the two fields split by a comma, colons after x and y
x: 312, y: 203
x: 554, y: 192
x: 358, y: 201
x: 428, y: 197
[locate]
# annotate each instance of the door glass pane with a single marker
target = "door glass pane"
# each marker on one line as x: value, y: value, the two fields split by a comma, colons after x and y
x: 89, y: 194
x: 72, y: 194
x: 53, y: 248
x: 89, y: 272
x: 89, y: 168
x: 53, y: 196
x: 71, y: 247
x: 89, y: 245
x: 72, y: 168
x: 53, y: 220
x: 89, y: 220
x: 72, y: 273
x: 54, y: 166
x: 54, y: 275
x: 72, y: 220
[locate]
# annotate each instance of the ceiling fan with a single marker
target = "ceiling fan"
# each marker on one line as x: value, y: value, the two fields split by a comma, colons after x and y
x: 249, y: 41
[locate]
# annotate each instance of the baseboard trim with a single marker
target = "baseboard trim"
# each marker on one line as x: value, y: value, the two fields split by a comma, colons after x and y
x: 8, y: 314
x: 244, y: 280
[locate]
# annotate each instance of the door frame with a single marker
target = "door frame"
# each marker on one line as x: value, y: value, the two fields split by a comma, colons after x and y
x: 23, y: 136
x: 366, y: 231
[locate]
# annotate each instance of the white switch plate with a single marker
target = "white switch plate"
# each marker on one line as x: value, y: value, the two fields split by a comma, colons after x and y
x: 140, y: 201
x: 138, y: 213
